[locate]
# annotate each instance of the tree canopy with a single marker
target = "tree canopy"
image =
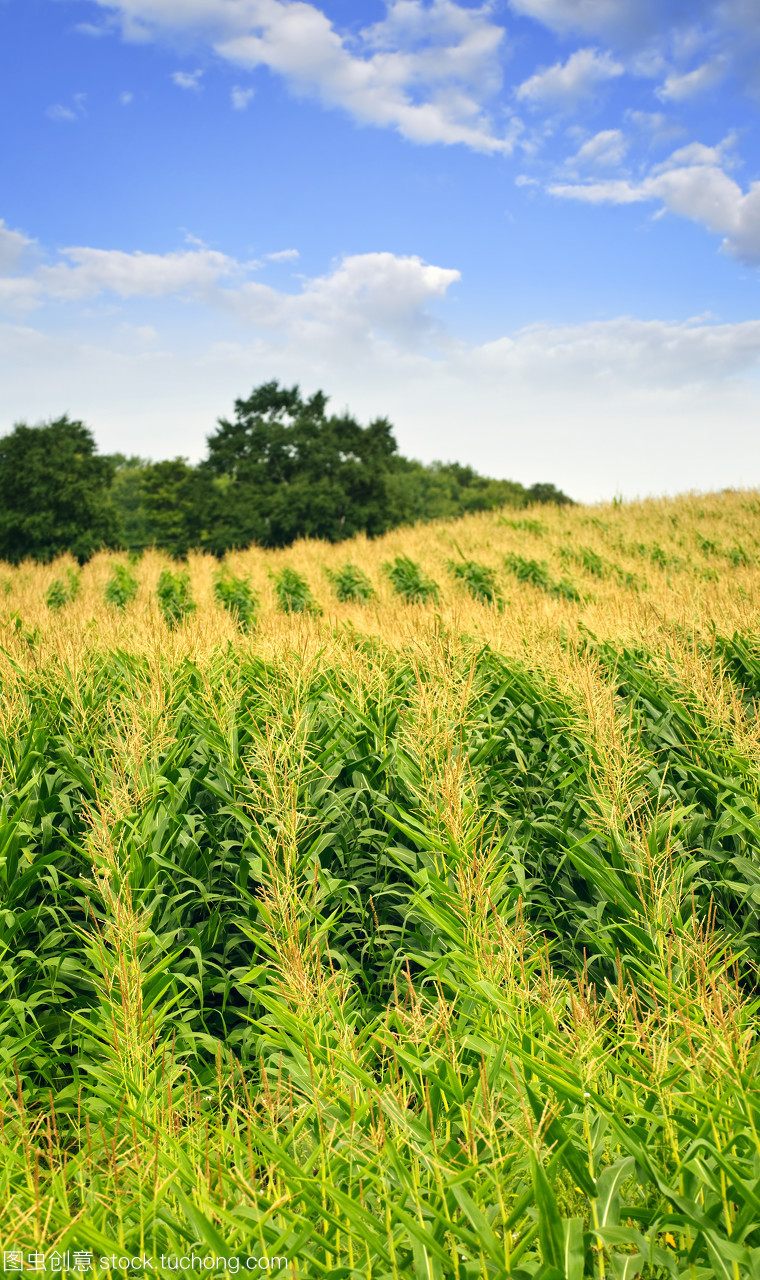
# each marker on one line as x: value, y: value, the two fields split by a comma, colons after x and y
x: 54, y: 493
x: 280, y: 468
x: 284, y: 469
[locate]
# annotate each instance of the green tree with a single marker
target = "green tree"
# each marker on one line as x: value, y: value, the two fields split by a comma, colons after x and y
x: 54, y: 493
x: 127, y: 498
x: 173, y: 504
x: 443, y: 490
x: 548, y: 493
x: 284, y: 469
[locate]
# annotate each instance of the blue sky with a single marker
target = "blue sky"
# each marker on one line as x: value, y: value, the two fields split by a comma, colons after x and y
x: 528, y: 231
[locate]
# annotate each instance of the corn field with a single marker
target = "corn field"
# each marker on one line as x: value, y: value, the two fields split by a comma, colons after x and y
x: 389, y: 909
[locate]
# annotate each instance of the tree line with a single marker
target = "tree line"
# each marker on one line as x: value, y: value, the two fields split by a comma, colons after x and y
x: 282, y: 468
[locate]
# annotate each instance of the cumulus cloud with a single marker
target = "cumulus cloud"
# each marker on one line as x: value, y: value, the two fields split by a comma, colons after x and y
x: 566, y: 84
x: 187, y: 79
x: 86, y: 273
x: 365, y: 295
x: 622, y: 404
x: 13, y: 246
x: 59, y: 111
x: 627, y: 351
x: 241, y: 97
x: 90, y: 29
x: 678, y: 88
x: 694, y: 184
x: 619, y: 406
x: 427, y: 70
x: 361, y: 294
x: 630, y: 22
x: 605, y: 150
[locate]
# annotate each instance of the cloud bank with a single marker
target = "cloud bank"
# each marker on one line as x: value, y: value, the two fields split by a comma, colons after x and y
x: 694, y: 184
x: 427, y: 70
x: 121, y: 339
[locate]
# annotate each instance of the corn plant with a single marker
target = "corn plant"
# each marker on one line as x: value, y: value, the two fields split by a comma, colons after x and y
x: 237, y: 596
x: 428, y: 951
x: 175, y: 597
x: 63, y: 590
x: 527, y: 525
x: 351, y: 584
x: 121, y: 587
x: 536, y: 572
x: 57, y: 594
x: 479, y: 579
x: 409, y: 580
x: 294, y: 593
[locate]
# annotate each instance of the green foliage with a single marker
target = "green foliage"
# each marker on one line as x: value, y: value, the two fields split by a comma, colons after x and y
x: 174, y: 498
x: 281, y: 469
x: 294, y: 593
x: 527, y: 525
x: 537, y: 574
x: 121, y: 587
x: 175, y: 597
x: 63, y: 590
x: 351, y: 584
x: 386, y: 997
x: 57, y: 594
x: 444, y: 490
x: 708, y: 546
x: 479, y: 579
x: 543, y: 493
x: 237, y: 596
x: 285, y: 469
x: 737, y: 556
x: 127, y: 496
x: 409, y: 580
x: 54, y: 493
x: 595, y: 565
x: 588, y: 559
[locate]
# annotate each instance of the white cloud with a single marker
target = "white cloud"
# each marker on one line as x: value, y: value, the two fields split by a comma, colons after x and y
x: 660, y: 128
x: 678, y: 88
x: 619, y: 406
x: 608, y: 191
x: 283, y: 255
x: 125, y: 98
x: 59, y: 112
x: 633, y: 23
x: 187, y: 79
x: 18, y: 294
x: 427, y: 70
x: 86, y: 273
x: 696, y: 153
x: 241, y: 97
x: 13, y: 246
x: 68, y: 113
x: 591, y: 17
x: 626, y: 352
x: 90, y: 29
x: 625, y: 404
x: 605, y: 150
x: 566, y: 84
x: 363, y: 293
x: 363, y: 296
x: 693, y: 184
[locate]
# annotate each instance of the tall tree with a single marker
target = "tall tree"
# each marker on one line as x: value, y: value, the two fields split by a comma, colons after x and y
x: 284, y: 469
x: 174, y: 502
x: 54, y: 493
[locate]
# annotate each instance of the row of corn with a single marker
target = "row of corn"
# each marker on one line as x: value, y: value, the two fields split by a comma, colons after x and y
x: 294, y: 595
